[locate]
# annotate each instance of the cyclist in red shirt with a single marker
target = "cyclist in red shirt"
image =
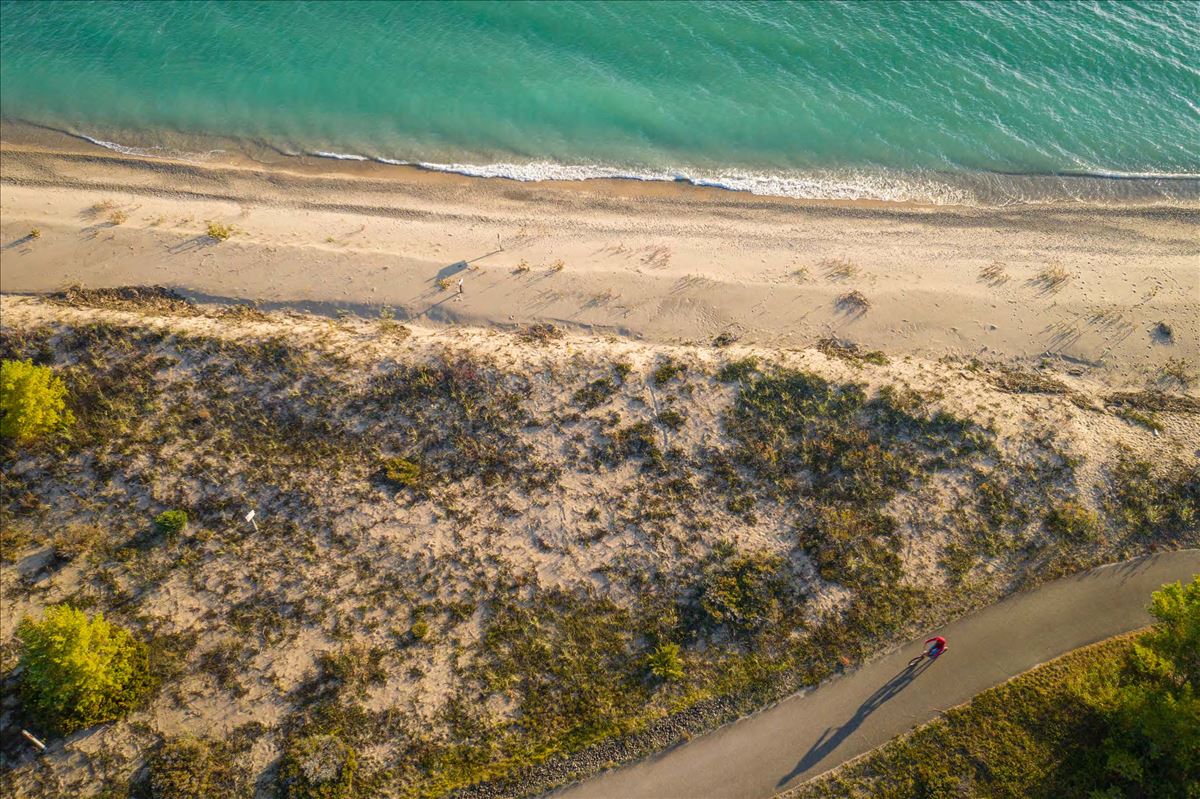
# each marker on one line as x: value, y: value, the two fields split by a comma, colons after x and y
x: 939, y: 646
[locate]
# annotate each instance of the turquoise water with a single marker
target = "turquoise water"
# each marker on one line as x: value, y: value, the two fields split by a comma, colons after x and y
x: 942, y: 101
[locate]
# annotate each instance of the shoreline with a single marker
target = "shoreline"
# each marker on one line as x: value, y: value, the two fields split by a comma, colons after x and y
x: 1084, y: 286
x: 983, y: 189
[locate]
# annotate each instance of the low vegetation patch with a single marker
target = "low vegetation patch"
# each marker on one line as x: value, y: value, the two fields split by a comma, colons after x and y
x: 475, y: 558
x: 318, y: 767
x: 1072, y: 521
x: 1147, y: 420
x: 194, y: 768
x: 1155, y: 504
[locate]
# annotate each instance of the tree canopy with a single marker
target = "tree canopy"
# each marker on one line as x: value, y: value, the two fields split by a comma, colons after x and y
x: 33, y: 401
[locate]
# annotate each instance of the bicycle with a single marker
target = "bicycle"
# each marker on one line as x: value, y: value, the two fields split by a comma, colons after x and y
x: 927, y: 653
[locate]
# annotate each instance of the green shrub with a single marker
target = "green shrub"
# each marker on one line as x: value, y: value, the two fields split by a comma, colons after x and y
x: 192, y: 768
x: 419, y: 629
x: 852, y: 546
x: 671, y: 418
x: 594, y: 394
x: 665, y: 662
x: 402, y: 472
x: 667, y: 371
x: 742, y: 590
x: 77, y: 671
x: 1072, y: 521
x: 33, y: 401
x: 218, y: 231
x: 171, y: 522
x: 734, y: 371
x: 318, y: 767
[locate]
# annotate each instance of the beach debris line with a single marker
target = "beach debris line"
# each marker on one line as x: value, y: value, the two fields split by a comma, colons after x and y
x: 540, y: 333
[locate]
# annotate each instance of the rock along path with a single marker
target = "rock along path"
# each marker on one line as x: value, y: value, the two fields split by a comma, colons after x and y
x: 812, y: 732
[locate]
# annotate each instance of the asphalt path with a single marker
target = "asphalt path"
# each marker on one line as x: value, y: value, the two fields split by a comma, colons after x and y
x: 812, y: 732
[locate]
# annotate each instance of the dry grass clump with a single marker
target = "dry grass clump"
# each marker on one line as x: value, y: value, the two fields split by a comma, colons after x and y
x: 839, y: 268
x: 34, y: 233
x: 1178, y: 370
x: 558, y: 265
x: 1147, y: 420
x: 853, y: 302
x: 1052, y: 277
x: 995, y: 274
x: 118, y: 217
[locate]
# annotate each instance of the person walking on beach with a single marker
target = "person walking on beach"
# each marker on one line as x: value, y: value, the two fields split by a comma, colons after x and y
x: 460, y: 289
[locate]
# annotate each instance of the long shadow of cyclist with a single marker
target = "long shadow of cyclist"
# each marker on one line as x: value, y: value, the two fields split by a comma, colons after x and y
x: 832, y: 737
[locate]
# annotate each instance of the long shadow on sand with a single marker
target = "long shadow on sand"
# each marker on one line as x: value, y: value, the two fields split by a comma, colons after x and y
x: 833, y: 736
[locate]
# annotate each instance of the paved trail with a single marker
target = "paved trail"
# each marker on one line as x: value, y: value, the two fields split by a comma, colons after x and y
x: 808, y: 734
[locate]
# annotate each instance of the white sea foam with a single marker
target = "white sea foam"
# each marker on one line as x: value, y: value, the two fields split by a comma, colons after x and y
x: 816, y: 186
x: 937, y: 188
x: 150, y: 152
x: 341, y: 156
x: 121, y: 148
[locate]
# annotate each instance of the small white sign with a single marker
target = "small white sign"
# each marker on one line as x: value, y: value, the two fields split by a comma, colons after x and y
x: 250, y: 516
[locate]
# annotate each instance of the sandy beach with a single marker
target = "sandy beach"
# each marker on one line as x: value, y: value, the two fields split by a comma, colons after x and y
x: 663, y: 262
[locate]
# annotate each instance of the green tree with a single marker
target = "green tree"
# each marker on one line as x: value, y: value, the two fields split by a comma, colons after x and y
x: 33, y: 401
x: 1171, y: 650
x: 76, y: 671
x: 1153, y: 743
